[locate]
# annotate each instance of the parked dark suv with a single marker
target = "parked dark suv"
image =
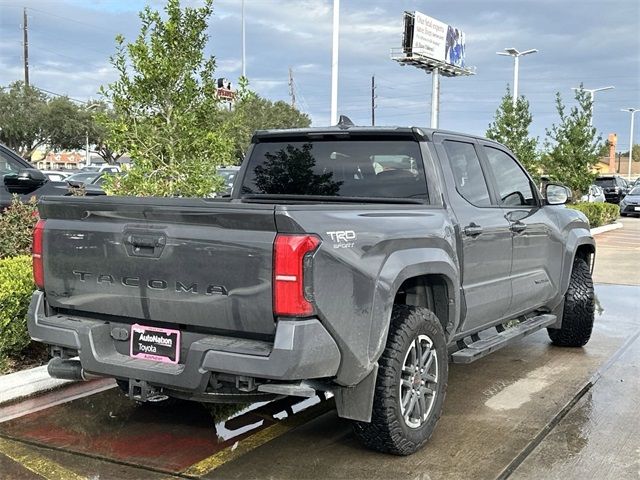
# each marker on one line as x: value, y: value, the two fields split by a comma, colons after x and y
x: 17, y: 176
x: 615, y: 187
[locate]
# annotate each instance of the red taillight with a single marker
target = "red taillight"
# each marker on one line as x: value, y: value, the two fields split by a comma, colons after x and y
x: 288, y: 274
x: 36, y: 254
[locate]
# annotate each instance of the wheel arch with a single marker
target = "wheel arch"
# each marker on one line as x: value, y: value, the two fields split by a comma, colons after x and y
x: 414, y: 269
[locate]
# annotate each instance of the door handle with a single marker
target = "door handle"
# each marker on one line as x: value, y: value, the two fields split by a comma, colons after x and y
x: 472, y: 230
x: 518, y: 227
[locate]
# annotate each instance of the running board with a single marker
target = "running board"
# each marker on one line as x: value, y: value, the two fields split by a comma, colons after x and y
x: 485, y: 346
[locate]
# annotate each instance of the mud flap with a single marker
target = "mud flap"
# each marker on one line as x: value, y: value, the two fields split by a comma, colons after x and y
x: 558, y: 311
x: 356, y: 403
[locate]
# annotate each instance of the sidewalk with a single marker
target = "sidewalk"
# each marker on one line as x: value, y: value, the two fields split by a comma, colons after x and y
x: 618, y: 254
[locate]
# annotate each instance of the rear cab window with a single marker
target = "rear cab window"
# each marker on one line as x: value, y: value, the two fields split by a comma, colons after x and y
x: 354, y: 168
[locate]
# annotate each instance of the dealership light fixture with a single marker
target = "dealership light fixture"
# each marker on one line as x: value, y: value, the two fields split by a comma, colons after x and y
x: 512, y: 52
x: 632, y: 111
x: 592, y: 92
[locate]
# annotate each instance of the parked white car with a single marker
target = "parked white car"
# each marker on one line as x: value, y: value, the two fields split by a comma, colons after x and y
x: 56, y: 176
x: 100, y: 168
x: 594, y: 195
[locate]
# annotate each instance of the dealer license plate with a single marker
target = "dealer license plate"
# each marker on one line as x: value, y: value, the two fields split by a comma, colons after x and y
x: 637, y: 209
x: 152, y: 343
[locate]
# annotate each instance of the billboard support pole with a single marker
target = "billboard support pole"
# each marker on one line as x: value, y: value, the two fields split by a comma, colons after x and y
x: 435, y: 97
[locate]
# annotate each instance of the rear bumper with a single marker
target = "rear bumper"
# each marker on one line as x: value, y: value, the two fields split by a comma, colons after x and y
x: 630, y: 209
x: 302, y: 349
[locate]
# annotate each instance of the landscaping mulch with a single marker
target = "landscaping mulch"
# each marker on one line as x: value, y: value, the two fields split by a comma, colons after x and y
x: 35, y: 355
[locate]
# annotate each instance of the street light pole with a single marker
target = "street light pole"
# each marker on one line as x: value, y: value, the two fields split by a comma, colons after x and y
x: 334, y: 62
x: 632, y: 111
x: 592, y: 94
x: 512, y: 52
x: 87, y: 156
x: 244, y: 60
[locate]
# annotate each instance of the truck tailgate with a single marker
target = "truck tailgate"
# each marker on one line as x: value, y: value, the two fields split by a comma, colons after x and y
x: 185, y: 262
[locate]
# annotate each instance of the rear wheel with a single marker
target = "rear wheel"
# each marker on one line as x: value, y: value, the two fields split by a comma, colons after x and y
x: 579, y: 309
x: 411, y: 384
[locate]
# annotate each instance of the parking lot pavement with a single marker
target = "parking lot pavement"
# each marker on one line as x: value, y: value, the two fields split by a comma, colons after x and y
x: 600, y: 437
x: 618, y: 254
x: 495, y: 407
x: 531, y: 409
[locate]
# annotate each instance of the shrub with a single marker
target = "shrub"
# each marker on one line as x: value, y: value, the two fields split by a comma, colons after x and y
x: 16, y: 227
x: 16, y: 287
x: 598, y: 213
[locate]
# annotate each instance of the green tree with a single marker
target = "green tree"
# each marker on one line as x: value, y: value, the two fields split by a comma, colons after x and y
x: 30, y: 119
x: 636, y: 153
x: 603, y: 151
x: 252, y: 112
x: 100, y: 116
x: 165, y: 104
x: 66, y: 124
x: 572, y: 146
x: 23, y: 115
x: 511, y: 128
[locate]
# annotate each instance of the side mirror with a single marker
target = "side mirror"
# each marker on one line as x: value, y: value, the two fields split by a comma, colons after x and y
x: 26, y: 181
x: 557, y: 194
x: 32, y: 175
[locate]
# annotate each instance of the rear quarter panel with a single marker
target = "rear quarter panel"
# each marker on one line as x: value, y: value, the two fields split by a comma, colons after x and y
x: 356, y: 275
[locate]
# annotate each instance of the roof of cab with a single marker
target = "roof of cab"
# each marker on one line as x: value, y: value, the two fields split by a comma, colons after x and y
x: 420, y: 133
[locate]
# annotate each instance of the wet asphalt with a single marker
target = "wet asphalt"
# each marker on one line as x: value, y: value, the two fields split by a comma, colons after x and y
x: 528, y: 411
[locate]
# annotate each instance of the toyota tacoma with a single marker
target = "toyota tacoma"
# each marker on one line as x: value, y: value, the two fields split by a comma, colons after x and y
x: 359, y: 261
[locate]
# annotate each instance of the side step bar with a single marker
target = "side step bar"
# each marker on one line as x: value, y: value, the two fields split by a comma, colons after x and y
x: 485, y: 346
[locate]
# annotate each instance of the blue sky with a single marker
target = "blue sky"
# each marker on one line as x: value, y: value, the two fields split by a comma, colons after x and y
x: 594, y: 42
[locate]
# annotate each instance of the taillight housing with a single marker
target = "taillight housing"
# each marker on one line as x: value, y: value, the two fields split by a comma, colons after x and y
x: 36, y: 255
x: 289, y: 254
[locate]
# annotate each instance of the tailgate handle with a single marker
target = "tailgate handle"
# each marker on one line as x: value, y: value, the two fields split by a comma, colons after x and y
x: 145, y: 245
x: 146, y: 241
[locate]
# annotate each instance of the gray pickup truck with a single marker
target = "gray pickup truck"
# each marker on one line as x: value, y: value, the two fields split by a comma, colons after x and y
x: 357, y: 261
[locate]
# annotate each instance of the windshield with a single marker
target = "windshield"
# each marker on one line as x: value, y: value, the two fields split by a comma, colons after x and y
x: 85, y: 177
x: 635, y: 191
x: 90, y: 169
x: 346, y: 168
x: 605, y: 182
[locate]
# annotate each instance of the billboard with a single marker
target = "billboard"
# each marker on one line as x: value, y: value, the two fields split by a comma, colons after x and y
x: 428, y: 37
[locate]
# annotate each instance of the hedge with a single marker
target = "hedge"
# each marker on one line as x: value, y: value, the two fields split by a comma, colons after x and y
x: 16, y: 287
x: 598, y: 213
x: 16, y: 228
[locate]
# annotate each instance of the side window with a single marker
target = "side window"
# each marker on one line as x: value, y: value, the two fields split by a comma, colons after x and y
x: 514, y: 187
x: 8, y: 165
x: 467, y: 173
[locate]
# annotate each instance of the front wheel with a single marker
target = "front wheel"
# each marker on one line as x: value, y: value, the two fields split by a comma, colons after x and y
x: 579, y: 309
x: 411, y: 384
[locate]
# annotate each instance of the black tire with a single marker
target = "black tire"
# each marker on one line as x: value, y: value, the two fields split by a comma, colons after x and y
x: 579, y: 309
x: 388, y: 430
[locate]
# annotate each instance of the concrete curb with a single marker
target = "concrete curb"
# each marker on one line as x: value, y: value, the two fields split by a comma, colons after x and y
x: 26, y: 383
x: 606, y: 228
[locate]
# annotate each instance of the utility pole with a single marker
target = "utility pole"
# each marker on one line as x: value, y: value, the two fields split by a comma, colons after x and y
x: 25, y: 41
x: 373, y: 100
x: 292, y: 92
